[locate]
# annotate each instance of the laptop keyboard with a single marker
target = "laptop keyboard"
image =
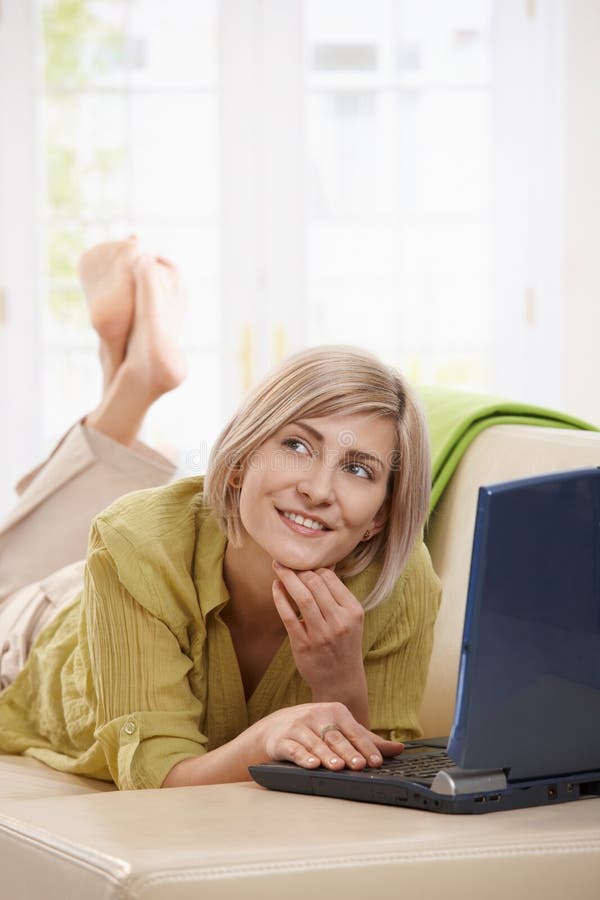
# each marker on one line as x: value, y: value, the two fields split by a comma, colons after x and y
x: 419, y: 769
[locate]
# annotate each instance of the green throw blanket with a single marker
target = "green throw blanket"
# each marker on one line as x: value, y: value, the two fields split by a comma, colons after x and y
x: 456, y: 418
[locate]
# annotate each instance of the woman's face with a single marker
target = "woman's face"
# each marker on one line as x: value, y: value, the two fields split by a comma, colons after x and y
x: 311, y: 491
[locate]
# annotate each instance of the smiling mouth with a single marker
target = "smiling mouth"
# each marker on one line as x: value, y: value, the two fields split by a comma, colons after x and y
x: 303, y: 524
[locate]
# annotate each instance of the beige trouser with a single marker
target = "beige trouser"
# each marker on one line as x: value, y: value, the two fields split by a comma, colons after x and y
x: 43, y: 541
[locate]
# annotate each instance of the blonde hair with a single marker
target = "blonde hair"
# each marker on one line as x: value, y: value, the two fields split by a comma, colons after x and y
x: 328, y: 381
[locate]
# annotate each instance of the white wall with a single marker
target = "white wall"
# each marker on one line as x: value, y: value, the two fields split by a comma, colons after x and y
x: 547, y: 203
x: 19, y: 332
x: 582, y: 209
x: 528, y: 174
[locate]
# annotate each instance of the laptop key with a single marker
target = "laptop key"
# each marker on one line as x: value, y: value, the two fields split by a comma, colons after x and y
x: 426, y: 767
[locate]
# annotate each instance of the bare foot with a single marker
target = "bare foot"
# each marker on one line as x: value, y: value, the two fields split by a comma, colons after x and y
x: 153, y: 351
x: 154, y: 362
x: 106, y: 274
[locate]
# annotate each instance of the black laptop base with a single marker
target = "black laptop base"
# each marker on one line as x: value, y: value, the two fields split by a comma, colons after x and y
x: 347, y: 785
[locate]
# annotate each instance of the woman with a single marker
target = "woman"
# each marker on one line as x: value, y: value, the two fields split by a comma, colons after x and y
x: 280, y: 609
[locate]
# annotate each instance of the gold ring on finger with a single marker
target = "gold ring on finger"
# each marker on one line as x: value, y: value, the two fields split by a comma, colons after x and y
x: 326, y: 728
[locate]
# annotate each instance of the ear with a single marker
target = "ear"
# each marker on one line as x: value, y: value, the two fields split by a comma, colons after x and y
x: 235, y: 477
x: 379, y: 522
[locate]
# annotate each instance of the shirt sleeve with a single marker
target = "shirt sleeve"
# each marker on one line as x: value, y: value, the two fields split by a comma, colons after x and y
x: 397, y: 663
x: 147, y: 718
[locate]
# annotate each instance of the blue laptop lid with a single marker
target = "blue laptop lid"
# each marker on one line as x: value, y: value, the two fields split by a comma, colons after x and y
x: 528, y: 695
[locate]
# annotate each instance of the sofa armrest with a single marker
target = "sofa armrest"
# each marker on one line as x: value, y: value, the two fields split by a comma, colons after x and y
x: 500, y: 453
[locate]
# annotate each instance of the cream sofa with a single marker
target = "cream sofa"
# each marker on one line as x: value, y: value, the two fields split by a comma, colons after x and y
x: 66, y: 837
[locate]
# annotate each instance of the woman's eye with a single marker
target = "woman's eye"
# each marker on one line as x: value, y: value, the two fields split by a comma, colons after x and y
x: 360, y: 470
x: 295, y: 444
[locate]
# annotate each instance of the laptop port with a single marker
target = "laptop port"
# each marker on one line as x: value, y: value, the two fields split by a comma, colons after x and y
x: 480, y: 799
x: 494, y: 798
x: 589, y: 789
x: 552, y: 792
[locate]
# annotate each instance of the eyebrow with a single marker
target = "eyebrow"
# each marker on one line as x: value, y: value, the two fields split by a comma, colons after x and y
x: 363, y: 454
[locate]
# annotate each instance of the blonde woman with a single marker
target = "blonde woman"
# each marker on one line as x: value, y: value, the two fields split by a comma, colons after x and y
x: 280, y: 608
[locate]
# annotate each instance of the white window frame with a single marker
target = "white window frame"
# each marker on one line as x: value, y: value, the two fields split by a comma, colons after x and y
x: 262, y: 187
x: 20, y: 333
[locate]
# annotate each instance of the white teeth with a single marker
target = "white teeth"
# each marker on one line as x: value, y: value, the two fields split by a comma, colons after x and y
x: 308, y: 523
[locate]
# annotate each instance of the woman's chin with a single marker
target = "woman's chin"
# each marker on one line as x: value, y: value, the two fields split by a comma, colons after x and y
x: 301, y: 562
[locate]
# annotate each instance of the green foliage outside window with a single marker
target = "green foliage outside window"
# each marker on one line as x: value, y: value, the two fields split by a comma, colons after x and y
x: 84, y: 58
x: 79, y: 46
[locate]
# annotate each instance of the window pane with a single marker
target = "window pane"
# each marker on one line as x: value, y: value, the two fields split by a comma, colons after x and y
x: 87, y: 155
x: 84, y: 43
x: 71, y: 385
x: 398, y: 135
x: 128, y: 92
x: 117, y: 43
x: 174, y: 155
x: 173, y: 43
x: 452, y: 130
x: 408, y: 40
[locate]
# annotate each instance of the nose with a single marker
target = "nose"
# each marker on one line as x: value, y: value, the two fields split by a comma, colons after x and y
x: 317, y: 485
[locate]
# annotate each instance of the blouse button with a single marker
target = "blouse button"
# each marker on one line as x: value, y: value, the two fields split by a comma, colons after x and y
x: 129, y: 727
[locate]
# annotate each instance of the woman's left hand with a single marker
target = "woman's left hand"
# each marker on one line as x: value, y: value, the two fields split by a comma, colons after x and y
x: 324, y: 621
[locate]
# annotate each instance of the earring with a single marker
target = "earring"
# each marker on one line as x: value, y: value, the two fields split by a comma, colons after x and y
x: 366, y: 535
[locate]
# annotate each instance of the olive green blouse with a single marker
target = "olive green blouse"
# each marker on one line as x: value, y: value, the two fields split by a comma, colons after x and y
x: 140, y: 671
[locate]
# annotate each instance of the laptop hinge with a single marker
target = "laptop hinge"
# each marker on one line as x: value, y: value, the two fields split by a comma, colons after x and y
x: 455, y: 781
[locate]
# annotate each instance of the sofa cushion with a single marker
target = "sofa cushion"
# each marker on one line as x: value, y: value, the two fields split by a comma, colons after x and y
x: 22, y: 778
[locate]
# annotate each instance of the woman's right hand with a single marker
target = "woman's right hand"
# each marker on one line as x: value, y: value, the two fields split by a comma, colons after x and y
x: 296, y: 734
x: 292, y: 734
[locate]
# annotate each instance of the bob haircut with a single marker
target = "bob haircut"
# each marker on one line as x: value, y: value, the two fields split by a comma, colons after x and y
x: 329, y: 381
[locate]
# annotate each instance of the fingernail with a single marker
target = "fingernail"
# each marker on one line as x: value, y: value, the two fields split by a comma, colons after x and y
x: 276, y: 564
x: 356, y: 761
x: 333, y: 761
x: 375, y: 759
x: 311, y: 760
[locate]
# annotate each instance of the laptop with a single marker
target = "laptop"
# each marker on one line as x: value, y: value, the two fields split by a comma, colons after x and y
x: 526, y: 728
